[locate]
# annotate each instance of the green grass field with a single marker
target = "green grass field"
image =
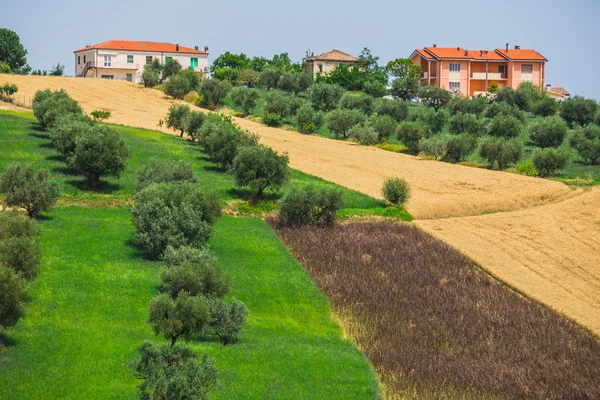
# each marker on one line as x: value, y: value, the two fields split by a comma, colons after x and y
x: 87, y: 310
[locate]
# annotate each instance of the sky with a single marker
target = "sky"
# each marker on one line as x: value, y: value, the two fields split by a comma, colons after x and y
x: 565, y: 32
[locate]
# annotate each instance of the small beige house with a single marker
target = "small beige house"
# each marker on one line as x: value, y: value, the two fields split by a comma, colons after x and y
x: 125, y: 59
x: 327, y: 62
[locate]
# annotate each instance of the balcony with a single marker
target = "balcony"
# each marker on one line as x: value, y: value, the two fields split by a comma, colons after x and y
x: 426, y: 75
x: 111, y: 65
x: 490, y: 76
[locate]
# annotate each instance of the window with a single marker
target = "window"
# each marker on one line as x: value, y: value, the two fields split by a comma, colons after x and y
x: 129, y: 78
x: 148, y: 59
x: 108, y: 61
x: 193, y: 63
x: 129, y: 59
x: 320, y: 67
x: 78, y: 60
x: 84, y: 59
x: 526, y: 68
x: 454, y: 67
x: 454, y: 85
x: 107, y: 76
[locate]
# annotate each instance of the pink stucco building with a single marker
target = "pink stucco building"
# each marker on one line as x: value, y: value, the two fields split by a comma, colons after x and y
x: 471, y: 72
x: 125, y: 59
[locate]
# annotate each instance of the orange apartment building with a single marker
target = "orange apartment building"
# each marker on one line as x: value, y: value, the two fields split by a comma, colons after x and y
x: 471, y: 72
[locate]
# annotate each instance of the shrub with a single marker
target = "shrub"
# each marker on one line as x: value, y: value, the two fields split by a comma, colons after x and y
x: 384, y: 125
x: 173, y: 214
x: 504, y: 126
x: 164, y: 171
x: 12, y: 297
x: 364, y: 134
x: 22, y: 255
x: 500, y: 108
x: 100, y: 115
x: 294, y: 82
x: 175, y: 256
x: 99, y: 151
x: 271, y: 119
x: 200, y: 278
x: 222, y: 141
x: 13, y: 224
x: 459, y: 104
x: 277, y: 102
x: 310, y: 205
x: 394, y: 108
x: 527, y: 168
x: 405, y: 88
x: 151, y: 73
x: 170, y: 69
x: 309, y: 120
x: 434, y: 121
x: 501, y: 151
x: 361, y: 102
x: 548, y: 161
x: 396, y: 190
x: 226, y: 321
x: 29, y: 190
x: 434, y: 96
x: 470, y: 124
x: 48, y: 106
x: 458, y: 147
x: 341, y: 120
x: 245, y: 98
x: 192, y: 77
x: 434, y: 146
x: 259, y: 168
x: 545, y: 107
x: 410, y: 134
x: 578, y: 111
x: 375, y: 89
x: 174, y: 373
x: 180, y: 317
x: 270, y: 77
x: 194, y: 122
x: 177, y: 86
x: 325, y: 97
x: 548, y: 131
x: 586, y: 141
x: 66, y: 130
x: 177, y: 117
x: 212, y: 91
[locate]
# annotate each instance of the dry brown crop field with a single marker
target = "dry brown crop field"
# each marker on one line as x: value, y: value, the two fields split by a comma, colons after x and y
x: 499, y: 219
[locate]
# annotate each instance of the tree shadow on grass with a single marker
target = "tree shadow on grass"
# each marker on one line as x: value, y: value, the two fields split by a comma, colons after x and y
x: 246, y: 195
x: 56, y: 157
x: 47, y: 145
x: 6, y: 340
x: 214, y: 168
x: 103, y: 187
x: 64, y: 170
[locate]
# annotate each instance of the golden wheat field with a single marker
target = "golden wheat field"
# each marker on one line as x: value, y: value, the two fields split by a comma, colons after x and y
x: 537, y: 235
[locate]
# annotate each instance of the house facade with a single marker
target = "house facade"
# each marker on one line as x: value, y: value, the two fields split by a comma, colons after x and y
x: 125, y: 59
x: 326, y: 62
x: 473, y: 72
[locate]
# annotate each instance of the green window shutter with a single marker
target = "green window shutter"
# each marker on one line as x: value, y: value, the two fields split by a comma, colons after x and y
x: 129, y: 59
x: 168, y: 58
x: 193, y: 62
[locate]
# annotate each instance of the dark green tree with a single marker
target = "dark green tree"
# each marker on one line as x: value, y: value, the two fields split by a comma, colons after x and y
x: 340, y: 121
x: 12, y: 52
x: 434, y: 96
x: 259, y: 168
x: 29, y: 190
x: 405, y: 88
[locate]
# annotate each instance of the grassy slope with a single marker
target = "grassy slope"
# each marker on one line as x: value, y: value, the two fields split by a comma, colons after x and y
x: 77, y: 326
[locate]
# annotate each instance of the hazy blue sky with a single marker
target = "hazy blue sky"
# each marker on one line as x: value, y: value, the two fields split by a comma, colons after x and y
x: 565, y: 32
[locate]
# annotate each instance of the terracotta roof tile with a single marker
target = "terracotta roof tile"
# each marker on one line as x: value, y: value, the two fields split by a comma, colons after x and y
x: 559, y: 90
x: 448, y: 52
x: 334, y: 55
x: 521, y: 54
x: 135, y: 45
x: 482, y: 55
x: 424, y: 54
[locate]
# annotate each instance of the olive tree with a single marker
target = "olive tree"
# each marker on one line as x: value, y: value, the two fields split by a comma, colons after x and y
x: 177, y: 117
x: 405, y: 88
x: 548, y: 131
x: 198, y: 278
x: 49, y: 106
x: 325, y: 96
x: 361, y: 102
x: 498, y: 150
x: 308, y: 119
x: 226, y: 321
x: 548, y: 161
x: 27, y: 189
x: 212, y: 91
x: 294, y: 82
x: 434, y: 96
x: 586, y: 141
x: 164, y: 171
x: 578, y: 111
x: 260, y: 167
x: 177, y: 86
x: 396, y: 109
x: 504, y: 126
x: 339, y: 121
x: 310, y: 205
x: 12, y: 297
x: 270, y: 77
x: 410, y: 134
x: 245, y: 98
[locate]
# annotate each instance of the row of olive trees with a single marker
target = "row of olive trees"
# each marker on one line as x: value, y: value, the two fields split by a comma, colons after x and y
x: 90, y: 148
x: 19, y: 258
x: 173, y: 217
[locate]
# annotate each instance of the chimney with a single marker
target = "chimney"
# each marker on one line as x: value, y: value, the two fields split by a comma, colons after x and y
x: 507, y: 47
x: 517, y: 47
x: 466, y: 53
x: 458, y: 49
x: 88, y: 45
x: 195, y: 47
x: 206, y: 49
x: 434, y: 45
x: 177, y: 47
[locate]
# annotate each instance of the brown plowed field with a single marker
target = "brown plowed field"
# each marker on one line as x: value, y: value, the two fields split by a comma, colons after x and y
x: 537, y: 235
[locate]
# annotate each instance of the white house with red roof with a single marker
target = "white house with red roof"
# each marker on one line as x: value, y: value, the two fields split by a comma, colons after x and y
x: 326, y: 62
x: 473, y: 72
x: 125, y: 59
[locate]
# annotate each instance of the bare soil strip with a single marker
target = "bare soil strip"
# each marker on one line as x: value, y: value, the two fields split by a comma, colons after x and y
x: 551, y: 252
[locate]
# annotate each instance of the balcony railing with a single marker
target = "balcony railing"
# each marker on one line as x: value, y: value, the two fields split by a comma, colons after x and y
x: 111, y: 65
x: 426, y: 75
x: 491, y: 76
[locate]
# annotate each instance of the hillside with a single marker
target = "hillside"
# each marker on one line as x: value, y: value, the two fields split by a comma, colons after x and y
x: 537, y: 235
